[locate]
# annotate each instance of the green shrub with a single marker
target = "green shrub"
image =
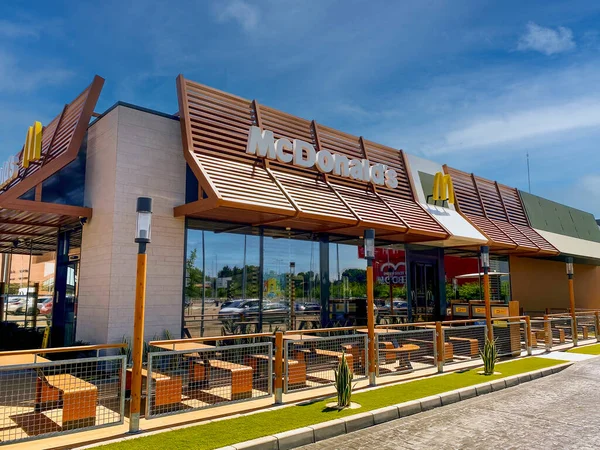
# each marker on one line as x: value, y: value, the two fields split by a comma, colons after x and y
x: 489, y: 354
x: 343, y: 383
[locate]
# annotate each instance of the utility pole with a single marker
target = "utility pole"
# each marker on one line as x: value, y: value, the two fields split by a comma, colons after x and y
x: 528, y: 174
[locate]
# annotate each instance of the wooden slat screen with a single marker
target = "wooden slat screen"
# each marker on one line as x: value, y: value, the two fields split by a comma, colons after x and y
x: 61, y: 140
x: 215, y: 127
x: 497, y: 211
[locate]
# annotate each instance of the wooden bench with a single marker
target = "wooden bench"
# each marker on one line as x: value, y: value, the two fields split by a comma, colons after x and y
x: 448, y: 347
x: 585, y: 331
x: 296, y: 368
x: 76, y: 397
x: 337, y: 356
x: 402, y: 353
x: 390, y: 357
x: 468, y: 346
x: 358, y: 355
x: 167, y: 388
x: 241, y: 377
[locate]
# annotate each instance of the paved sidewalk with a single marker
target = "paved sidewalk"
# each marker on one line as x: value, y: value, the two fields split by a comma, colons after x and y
x: 557, y: 412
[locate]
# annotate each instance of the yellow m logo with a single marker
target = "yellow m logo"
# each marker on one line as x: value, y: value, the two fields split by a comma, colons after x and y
x: 33, y: 144
x: 443, y: 188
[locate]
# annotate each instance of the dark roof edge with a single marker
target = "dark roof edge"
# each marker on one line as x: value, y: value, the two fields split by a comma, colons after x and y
x: 137, y: 108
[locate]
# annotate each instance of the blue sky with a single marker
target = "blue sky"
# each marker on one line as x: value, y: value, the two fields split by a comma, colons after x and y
x: 474, y: 84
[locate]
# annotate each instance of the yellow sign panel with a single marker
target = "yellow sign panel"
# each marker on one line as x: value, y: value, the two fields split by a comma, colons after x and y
x: 501, y: 323
x: 33, y: 144
x: 501, y: 311
x: 443, y: 189
x: 479, y: 310
x: 460, y: 309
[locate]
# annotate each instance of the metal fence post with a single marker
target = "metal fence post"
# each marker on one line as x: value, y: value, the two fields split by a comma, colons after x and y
x: 574, y: 329
x: 548, y: 332
x: 278, y: 367
x: 439, y: 336
x: 528, y: 335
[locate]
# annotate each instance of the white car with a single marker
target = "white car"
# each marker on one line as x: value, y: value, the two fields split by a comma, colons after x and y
x: 16, y: 305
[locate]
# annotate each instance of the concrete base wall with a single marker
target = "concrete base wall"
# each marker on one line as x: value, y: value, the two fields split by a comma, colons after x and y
x: 539, y: 284
x: 130, y: 154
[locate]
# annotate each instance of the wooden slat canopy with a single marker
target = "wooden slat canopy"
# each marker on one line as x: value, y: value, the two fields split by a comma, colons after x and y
x: 33, y: 224
x: 241, y: 188
x: 497, y: 211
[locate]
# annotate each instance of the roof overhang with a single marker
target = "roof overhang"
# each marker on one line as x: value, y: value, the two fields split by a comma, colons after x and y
x: 575, y: 247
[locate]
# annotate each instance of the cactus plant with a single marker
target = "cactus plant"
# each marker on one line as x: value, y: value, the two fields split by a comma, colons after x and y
x: 489, y: 355
x: 343, y: 383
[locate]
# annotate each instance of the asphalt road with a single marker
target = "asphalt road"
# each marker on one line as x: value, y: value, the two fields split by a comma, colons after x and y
x: 557, y: 412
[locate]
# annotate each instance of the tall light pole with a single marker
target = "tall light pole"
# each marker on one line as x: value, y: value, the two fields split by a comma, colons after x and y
x: 572, y: 298
x: 292, y: 288
x: 142, y: 238
x: 369, y: 244
x: 485, y: 265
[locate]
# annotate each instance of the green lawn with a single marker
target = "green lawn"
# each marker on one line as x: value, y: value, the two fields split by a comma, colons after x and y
x: 227, y: 432
x: 593, y: 349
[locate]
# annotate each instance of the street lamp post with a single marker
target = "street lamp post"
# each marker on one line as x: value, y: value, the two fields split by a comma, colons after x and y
x: 292, y: 288
x: 142, y: 238
x: 369, y: 245
x: 570, y: 273
x: 485, y: 265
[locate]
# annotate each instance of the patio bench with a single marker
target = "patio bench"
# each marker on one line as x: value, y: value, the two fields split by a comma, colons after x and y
x: 468, y: 346
x: 76, y: 397
x: 296, y: 368
x: 390, y: 357
x: 241, y: 377
x: 167, y: 388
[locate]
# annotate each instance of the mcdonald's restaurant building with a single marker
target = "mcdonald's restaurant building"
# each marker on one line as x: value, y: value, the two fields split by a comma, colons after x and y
x: 259, y: 214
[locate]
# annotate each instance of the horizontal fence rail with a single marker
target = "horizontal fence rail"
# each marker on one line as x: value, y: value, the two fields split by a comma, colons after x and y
x: 309, y: 362
x: 47, y: 398
x: 203, y: 376
x: 405, y: 350
x: 586, y: 329
x: 510, y: 336
x: 561, y: 331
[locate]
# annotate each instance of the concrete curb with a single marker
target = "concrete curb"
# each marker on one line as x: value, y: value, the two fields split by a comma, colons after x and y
x: 337, y: 427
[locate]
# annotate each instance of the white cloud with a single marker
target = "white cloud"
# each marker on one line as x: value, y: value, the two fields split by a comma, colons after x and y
x: 240, y: 11
x: 525, y: 124
x: 546, y: 40
x: 16, y: 78
x: 14, y: 30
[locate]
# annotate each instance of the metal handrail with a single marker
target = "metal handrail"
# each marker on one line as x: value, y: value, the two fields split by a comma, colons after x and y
x: 79, y: 348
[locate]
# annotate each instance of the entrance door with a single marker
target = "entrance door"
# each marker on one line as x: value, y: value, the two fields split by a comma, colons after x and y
x: 424, y: 295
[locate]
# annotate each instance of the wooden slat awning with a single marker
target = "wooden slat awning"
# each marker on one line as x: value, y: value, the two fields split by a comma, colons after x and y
x: 497, y: 211
x: 242, y: 188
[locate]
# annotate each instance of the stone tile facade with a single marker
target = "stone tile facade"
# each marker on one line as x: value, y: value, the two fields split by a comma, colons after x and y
x: 131, y: 153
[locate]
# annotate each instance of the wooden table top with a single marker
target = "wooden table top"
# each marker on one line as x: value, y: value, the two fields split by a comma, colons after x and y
x: 300, y: 337
x: 380, y: 330
x: 15, y: 360
x: 404, y: 348
x: 184, y: 346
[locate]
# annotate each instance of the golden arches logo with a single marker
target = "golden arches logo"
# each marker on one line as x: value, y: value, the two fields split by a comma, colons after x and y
x: 33, y: 144
x: 443, y: 189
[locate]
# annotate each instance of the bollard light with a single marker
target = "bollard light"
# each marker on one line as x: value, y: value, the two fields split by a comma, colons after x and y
x: 570, y: 266
x: 144, y: 220
x: 369, y: 244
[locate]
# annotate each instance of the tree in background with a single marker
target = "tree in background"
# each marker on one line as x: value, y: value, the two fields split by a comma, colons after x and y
x: 193, y: 288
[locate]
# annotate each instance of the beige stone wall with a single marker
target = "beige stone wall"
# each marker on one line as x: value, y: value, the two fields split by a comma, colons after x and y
x: 131, y: 154
x: 539, y: 284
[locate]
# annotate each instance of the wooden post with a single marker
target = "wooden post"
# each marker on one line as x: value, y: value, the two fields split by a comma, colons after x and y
x: 548, y: 332
x: 572, y: 306
x: 278, y: 367
x: 138, y: 343
x: 488, y: 308
x: 528, y: 335
x: 597, y: 329
x: 371, y: 323
x: 439, y: 336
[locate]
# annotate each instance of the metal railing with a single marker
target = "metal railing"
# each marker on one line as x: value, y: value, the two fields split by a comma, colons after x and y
x: 463, y: 340
x: 309, y: 361
x: 404, y: 349
x: 586, y: 328
x: 561, y: 331
x: 203, y: 376
x: 42, y: 398
x: 511, y: 337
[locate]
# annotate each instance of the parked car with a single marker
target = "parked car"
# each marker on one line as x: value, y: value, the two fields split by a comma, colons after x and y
x: 235, y: 309
x: 45, y: 307
x: 16, y: 305
x: 310, y: 307
x: 400, y: 306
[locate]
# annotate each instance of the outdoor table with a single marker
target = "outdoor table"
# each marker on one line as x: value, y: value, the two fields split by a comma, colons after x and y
x: 17, y: 360
x: 300, y: 337
x: 401, y: 351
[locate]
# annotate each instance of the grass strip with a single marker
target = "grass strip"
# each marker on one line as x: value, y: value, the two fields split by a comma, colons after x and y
x: 227, y: 432
x: 593, y: 349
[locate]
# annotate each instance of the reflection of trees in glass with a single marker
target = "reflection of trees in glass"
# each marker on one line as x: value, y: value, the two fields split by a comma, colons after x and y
x: 193, y: 288
x: 470, y: 291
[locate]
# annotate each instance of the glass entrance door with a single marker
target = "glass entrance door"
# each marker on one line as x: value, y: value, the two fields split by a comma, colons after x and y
x: 424, y: 291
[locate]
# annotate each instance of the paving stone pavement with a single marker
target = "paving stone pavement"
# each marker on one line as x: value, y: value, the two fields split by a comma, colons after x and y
x: 555, y: 412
